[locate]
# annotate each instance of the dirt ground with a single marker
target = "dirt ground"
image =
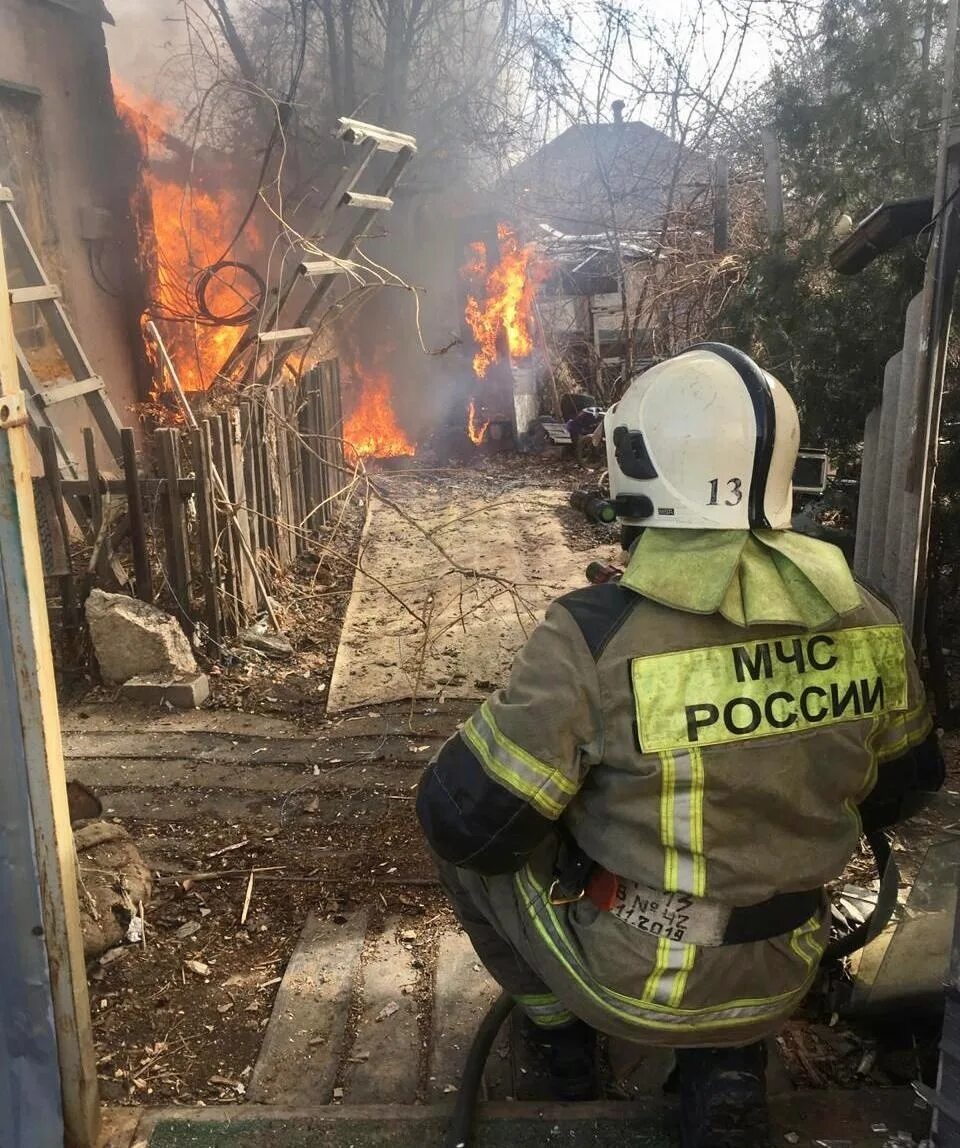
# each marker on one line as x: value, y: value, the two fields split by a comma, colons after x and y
x: 182, y: 1018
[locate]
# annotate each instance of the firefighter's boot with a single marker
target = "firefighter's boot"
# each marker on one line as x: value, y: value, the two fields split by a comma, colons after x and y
x: 571, y: 1055
x: 723, y: 1097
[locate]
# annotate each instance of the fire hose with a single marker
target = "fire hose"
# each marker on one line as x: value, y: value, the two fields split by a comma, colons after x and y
x: 459, y: 1132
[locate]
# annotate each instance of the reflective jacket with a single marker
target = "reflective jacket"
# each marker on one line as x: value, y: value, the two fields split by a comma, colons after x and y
x: 694, y: 756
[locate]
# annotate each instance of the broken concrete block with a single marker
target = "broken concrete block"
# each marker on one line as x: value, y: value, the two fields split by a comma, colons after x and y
x: 132, y: 638
x: 182, y: 693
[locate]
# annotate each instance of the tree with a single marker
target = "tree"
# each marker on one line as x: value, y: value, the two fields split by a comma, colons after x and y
x: 852, y: 105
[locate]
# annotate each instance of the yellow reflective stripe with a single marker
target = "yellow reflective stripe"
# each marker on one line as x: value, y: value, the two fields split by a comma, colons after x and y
x: 721, y: 694
x: 910, y: 730
x: 668, y: 981
x: 544, y: 1010
x: 643, y: 1013
x: 684, y: 865
x: 667, y: 795
x: 804, y: 943
x: 680, y: 981
x: 544, y: 786
x: 696, y: 825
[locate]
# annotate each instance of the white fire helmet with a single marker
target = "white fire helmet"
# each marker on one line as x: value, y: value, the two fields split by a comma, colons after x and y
x: 705, y: 440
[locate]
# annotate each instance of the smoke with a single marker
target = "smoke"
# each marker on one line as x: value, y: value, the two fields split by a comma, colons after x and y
x: 146, y: 38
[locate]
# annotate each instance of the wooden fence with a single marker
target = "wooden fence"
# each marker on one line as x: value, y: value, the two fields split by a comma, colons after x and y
x: 204, y: 526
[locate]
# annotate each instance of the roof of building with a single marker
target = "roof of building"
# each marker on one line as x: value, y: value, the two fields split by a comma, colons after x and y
x: 593, y: 176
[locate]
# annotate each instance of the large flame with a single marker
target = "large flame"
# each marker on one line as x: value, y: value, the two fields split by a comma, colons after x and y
x: 184, y: 229
x: 505, y: 304
x: 372, y: 430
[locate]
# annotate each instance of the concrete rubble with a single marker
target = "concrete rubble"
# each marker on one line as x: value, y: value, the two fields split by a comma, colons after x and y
x: 144, y: 650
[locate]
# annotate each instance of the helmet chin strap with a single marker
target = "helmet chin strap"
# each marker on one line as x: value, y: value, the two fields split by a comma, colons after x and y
x: 758, y: 388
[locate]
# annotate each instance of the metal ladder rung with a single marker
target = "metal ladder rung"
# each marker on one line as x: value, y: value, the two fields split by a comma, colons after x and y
x: 63, y: 391
x: 42, y: 294
x: 286, y: 335
x: 369, y: 202
x: 321, y: 267
x: 356, y: 132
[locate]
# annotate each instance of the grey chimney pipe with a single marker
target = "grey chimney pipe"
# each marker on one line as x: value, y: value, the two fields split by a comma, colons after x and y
x: 618, y: 106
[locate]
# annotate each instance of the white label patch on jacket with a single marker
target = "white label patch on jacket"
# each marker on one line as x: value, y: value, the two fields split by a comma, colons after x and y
x: 760, y: 689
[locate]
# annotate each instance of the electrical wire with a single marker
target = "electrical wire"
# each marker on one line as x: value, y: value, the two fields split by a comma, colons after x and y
x: 238, y: 318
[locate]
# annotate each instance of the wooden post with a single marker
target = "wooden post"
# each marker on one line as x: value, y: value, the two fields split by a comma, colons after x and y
x: 721, y: 205
x: 773, y: 184
x: 44, y: 1004
x: 138, y: 528
x: 210, y: 566
x: 178, y: 545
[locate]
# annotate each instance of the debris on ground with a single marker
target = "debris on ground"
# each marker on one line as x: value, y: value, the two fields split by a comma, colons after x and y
x: 112, y: 880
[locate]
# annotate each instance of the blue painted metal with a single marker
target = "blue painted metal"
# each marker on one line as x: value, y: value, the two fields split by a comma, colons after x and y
x: 30, y: 1097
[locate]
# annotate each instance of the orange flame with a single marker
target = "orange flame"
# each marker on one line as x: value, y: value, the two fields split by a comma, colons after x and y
x: 184, y: 229
x: 372, y: 430
x: 507, y: 306
x: 475, y: 429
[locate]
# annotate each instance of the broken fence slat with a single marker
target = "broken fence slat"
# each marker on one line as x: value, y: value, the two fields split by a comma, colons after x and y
x: 200, y: 449
x: 233, y: 445
x: 143, y: 575
x: 286, y: 540
x: 226, y: 540
x: 177, y: 534
x: 335, y: 429
x: 251, y: 474
x: 296, y: 466
x: 268, y: 455
x: 322, y: 515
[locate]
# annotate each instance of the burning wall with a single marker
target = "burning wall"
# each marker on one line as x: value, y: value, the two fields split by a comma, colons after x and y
x: 189, y: 218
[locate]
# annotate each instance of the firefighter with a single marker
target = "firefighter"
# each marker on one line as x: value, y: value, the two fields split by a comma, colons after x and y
x: 637, y: 831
